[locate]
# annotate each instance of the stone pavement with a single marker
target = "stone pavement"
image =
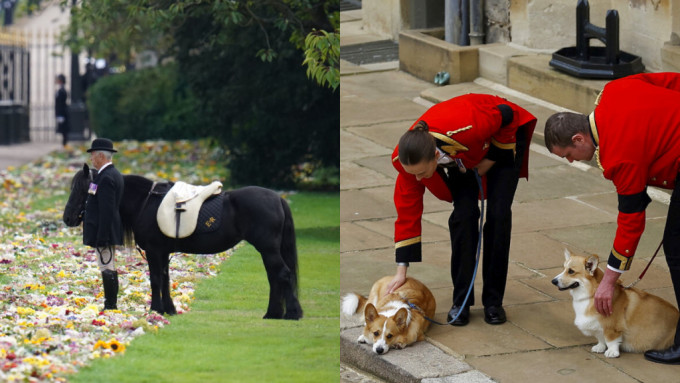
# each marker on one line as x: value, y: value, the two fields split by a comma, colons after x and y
x: 561, y: 206
x: 20, y: 154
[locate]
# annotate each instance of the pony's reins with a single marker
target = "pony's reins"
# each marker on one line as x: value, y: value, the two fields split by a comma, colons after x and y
x: 479, y: 250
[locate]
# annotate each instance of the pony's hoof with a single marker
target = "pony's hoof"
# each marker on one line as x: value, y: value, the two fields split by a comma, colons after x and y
x: 160, y: 311
x: 273, y: 316
x: 293, y: 315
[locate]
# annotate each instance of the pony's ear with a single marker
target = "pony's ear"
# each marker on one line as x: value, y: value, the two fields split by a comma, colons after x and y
x: 86, y: 169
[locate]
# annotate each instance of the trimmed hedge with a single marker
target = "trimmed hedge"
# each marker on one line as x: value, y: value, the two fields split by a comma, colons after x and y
x: 145, y: 104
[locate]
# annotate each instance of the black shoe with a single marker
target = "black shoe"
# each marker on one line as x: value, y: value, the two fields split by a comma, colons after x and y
x: 494, y: 315
x: 110, y: 279
x: 670, y: 355
x: 463, y: 318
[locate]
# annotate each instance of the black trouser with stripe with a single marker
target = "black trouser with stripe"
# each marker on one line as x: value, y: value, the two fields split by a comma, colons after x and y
x: 502, y: 181
x: 671, y: 245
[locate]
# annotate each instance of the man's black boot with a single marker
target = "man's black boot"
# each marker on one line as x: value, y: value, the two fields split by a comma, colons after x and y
x: 110, y: 278
x: 670, y: 355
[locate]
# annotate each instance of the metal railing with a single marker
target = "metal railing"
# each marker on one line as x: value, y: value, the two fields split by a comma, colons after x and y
x: 29, y: 64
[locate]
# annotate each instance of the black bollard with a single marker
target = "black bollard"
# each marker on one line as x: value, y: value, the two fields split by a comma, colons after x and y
x: 606, y: 62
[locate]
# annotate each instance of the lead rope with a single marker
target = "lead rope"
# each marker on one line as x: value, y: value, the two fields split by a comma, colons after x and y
x: 139, y: 249
x: 645, y: 270
x: 479, y: 245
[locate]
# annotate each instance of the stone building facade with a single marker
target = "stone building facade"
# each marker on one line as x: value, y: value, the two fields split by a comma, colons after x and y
x: 648, y: 28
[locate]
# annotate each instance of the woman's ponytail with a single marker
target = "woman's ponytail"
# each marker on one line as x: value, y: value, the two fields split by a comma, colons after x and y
x: 417, y: 145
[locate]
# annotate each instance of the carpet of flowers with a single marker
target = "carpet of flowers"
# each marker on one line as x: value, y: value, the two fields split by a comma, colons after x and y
x: 51, y: 294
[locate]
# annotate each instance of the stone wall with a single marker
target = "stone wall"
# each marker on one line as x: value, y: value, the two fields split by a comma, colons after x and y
x: 645, y: 25
x: 648, y: 28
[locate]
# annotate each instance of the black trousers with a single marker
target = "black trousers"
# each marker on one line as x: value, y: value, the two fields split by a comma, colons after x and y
x: 502, y: 181
x: 671, y: 246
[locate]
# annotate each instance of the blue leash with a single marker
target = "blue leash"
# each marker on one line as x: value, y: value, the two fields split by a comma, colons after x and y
x: 479, y: 250
x: 479, y: 246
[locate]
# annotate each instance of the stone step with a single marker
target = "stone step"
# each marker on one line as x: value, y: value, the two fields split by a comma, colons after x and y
x: 519, y: 69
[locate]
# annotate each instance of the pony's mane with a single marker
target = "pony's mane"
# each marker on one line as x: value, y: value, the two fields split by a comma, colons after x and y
x: 137, y: 181
x: 141, y: 185
x: 144, y: 184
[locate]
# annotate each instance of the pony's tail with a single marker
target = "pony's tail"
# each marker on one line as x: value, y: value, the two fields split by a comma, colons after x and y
x: 288, y: 246
x: 289, y: 255
x: 128, y: 236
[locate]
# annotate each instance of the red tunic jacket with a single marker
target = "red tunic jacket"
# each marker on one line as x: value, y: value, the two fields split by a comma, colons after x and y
x: 636, y: 126
x: 464, y: 127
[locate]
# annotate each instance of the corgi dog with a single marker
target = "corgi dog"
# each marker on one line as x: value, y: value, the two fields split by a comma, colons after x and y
x: 639, y: 322
x: 393, y: 320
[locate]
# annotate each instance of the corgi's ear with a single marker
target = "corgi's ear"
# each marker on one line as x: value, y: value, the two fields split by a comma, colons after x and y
x: 401, y: 319
x: 591, y: 264
x: 567, y: 254
x: 370, y: 313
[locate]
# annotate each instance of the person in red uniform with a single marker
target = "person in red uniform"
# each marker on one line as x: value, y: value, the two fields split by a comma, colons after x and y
x: 441, y: 152
x: 635, y: 131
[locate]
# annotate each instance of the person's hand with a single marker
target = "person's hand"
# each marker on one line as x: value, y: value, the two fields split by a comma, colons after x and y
x: 484, y: 165
x: 398, y: 280
x: 605, y: 293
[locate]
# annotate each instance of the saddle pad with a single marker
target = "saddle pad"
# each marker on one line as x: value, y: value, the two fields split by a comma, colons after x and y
x: 210, y: 215
x: 168, y: 212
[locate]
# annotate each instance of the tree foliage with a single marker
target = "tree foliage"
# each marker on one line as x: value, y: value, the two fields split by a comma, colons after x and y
x: 120, y: 29
x: 322, y: 54
x: 270, y: 115
x: 242, y: 63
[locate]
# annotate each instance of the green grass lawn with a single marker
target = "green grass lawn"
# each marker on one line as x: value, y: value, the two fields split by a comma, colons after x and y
x: 224, y: 338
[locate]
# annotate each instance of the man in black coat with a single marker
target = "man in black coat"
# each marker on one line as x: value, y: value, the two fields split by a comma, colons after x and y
x: 61, y: 109
x: 102, y: 228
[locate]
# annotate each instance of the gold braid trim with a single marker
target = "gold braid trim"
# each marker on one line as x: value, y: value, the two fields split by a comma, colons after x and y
x: 452, y: 132
x: 407, y: 242
x: 599, y: 96
x: 453, y: 146
x: 596, y: 136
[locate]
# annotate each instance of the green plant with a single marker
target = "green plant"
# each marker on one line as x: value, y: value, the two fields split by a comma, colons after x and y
x: 145, y: 104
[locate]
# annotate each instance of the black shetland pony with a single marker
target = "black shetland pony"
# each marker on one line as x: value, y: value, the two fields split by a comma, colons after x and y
x: 258, y: 215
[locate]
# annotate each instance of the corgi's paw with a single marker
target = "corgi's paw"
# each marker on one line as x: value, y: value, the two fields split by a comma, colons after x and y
x: 612, y: 353
x: 599, y: 348
x: 362, y: 339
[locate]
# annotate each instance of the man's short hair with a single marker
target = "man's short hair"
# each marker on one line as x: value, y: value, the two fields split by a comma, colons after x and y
x: 108, y: 155
x: 561, y: 127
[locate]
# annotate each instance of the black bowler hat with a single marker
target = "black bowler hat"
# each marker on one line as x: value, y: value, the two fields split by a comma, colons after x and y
x: 102, y: 144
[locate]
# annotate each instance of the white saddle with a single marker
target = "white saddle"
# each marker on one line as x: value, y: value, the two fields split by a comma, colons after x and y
x: 178, y: 213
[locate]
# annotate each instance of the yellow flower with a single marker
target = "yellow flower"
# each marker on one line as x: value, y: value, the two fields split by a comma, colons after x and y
x: 25, y: 311
x: 116, y: 346
x: 101, y: 344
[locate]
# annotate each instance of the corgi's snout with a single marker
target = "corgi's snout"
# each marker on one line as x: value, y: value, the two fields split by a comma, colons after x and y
x: 557, y: 282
